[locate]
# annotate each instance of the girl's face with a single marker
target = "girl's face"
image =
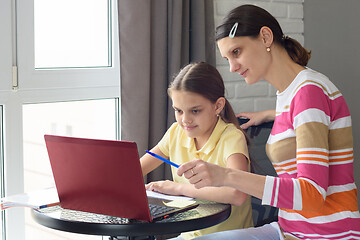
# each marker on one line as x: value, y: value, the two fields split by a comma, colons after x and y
x: 195, y: 114
x: 246, y: 56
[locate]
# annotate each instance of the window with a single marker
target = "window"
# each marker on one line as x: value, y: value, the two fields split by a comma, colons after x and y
x: 82, y: 57
x: 90, y: 119
x: 81, y: 39
x: 50, y: 83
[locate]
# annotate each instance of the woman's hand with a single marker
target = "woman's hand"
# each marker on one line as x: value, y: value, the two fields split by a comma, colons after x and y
x: 257, y: 118
x: 165, y: 187
x: 203, y: 174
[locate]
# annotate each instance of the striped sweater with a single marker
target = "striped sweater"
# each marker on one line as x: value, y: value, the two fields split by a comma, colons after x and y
x: 311, y: 148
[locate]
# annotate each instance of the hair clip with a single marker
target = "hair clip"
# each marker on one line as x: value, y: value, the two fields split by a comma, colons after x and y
x: 233, y: 30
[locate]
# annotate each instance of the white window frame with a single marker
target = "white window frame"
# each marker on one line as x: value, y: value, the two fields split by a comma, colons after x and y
x: 30, y: 79
x: 38, y: 86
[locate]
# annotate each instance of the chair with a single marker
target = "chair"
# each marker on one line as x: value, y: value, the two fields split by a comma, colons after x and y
x: 262, y: 214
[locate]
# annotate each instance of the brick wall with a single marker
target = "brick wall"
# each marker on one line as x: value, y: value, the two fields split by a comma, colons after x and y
x: 262, y: 95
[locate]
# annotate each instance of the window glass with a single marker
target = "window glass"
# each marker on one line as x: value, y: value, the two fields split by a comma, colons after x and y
x: 72, y: 33
x: 89, y: 119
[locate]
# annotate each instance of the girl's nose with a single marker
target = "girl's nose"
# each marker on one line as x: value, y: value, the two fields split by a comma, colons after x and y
x: 186, y: 119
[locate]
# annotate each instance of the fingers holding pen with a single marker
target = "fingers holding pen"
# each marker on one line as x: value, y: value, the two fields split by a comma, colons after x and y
x: 198, y: 173
x: 187, y: 169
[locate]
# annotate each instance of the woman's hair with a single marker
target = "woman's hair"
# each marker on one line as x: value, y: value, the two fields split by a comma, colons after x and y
x: 250, y: 20
x: 204, y: 79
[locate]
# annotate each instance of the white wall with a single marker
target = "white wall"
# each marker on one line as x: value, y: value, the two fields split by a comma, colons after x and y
x: 260, y: 96
x: 334, y: 42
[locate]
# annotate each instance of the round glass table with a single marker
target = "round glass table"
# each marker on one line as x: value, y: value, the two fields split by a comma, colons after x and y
x: 205, y: 215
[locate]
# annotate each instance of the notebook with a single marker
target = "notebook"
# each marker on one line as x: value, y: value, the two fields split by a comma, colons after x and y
x: 104, y: 177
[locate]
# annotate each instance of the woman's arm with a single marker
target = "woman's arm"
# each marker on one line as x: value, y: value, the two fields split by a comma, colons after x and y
x: 208, y: 174
x: 149, y: 163
x: 219, y: 194
x: 257, y: 118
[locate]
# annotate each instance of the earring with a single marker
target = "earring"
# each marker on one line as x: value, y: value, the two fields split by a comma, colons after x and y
x: 268, y: 49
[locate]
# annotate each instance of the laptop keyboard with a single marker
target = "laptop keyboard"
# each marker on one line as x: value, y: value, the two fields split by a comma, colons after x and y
x: 80, y: 216
x: 156, y: 210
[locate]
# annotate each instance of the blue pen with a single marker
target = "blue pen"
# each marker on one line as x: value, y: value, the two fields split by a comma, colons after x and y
x: 162, y: 159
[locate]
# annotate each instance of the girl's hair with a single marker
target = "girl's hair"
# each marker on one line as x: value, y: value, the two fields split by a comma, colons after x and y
x: 250, y: 20
x: 204, y: 79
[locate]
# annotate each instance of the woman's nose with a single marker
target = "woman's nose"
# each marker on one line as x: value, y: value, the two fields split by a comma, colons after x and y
x: 234, y: 66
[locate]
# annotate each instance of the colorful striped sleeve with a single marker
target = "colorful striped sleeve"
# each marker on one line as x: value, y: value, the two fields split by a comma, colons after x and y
x: 310, y: 116
x: 311, y: 148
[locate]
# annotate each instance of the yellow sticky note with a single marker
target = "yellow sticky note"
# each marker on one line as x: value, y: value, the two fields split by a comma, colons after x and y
x: 179, y: 203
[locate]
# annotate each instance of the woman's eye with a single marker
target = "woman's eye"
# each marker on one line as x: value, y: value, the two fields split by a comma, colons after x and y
x: 236, y: 52
x: 195, y: 111
x: 177, y: 111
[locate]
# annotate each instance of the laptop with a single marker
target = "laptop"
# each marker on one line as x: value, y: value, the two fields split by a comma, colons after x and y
x: 103, y: 177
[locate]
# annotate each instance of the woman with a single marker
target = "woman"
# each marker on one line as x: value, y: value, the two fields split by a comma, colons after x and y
x: 310, y: 145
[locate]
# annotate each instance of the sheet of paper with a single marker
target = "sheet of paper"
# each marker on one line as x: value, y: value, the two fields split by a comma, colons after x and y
x: 167, y: 197
x: 179, y: 203
x: 36, y: 199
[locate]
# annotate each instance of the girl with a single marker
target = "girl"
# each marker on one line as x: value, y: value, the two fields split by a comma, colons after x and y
x: 206, y: 128
x: 310, y: 145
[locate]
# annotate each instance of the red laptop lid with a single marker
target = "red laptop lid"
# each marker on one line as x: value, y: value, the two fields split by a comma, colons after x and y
x: 98, y: 176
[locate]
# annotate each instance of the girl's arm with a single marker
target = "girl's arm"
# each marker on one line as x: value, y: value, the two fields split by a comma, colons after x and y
x: 149, y: 163
x: 219, y: 194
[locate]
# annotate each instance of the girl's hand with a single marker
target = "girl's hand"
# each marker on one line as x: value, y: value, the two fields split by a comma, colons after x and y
x: 165, y: 187
x: 203, y: 174
x: 257, y: 118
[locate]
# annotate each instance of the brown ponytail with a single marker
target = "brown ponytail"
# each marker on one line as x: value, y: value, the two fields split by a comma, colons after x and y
x: 228, y: 116
x: 298, y: 53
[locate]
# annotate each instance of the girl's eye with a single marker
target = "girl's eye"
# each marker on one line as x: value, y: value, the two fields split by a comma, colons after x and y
x: 177, y: 111
x: 195, y: 111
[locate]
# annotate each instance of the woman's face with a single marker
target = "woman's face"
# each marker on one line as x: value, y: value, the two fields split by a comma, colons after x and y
x: 246, y: 56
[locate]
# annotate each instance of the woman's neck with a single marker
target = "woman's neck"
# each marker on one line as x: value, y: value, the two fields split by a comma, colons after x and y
x: 283, y: 70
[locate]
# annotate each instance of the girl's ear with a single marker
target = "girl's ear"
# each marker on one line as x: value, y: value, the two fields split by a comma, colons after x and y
x: 219, y: 105
x: 267, y: 36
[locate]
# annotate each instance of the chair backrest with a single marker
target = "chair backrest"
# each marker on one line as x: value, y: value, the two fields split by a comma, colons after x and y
x: 261, y: 164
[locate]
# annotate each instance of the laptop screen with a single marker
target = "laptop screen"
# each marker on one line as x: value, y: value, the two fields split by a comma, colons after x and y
x: 99, y: 176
